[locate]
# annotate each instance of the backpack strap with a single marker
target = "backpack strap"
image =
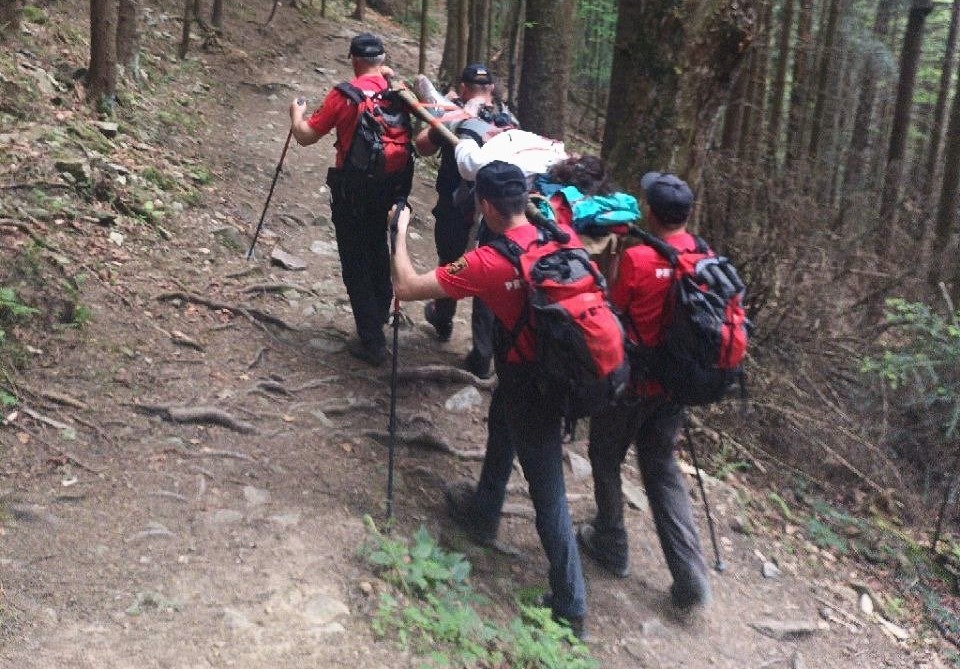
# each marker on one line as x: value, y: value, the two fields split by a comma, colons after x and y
x: 700, y: 245
x: 512, y: 251
x: 351, y: 92
x: 669, y: 253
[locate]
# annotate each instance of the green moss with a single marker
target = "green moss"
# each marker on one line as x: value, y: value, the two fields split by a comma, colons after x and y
x: 33, y: 14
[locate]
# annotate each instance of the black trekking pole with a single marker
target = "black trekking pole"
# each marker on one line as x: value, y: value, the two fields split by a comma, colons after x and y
x: 392, y: 425
x: 719, y: 565
x: 276, y: 175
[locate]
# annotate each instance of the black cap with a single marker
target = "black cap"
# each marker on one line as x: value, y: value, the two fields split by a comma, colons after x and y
x: 669, y: 197
x: 500, y: 180
x: 366, y: 45
x: 476, y: 74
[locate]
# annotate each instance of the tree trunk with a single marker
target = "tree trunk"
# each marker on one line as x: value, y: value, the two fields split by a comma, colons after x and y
x: 863, y: 118
x: 463, y: 35
x: 448, y: 62
x: 547, y: 53
x: 779, y: 81
x: 187, y: 21
x: 359, y: 12
x: 424, y: 25
x: 128, y: 37
x: 909, y: 62
x: 515, y: 37
x: 216, y: 16
x: 10, y: 11
x: 673, y: 62
x: 946, y: 77
x: 733, y: 114
x: 752, y: 123
x: 101, y: 78
x: 479, y: 29
x: 797, y: 119
x: 946, y: 223
x: 825, y: 78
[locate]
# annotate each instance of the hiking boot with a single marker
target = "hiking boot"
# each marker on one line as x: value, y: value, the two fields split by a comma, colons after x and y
x: 577, y: 626
x: 444, y: 329
x: 478, y: 365
x: 691, y: 594
x: 463, y: 511
x: 372, y: 354
x: 607, y: 552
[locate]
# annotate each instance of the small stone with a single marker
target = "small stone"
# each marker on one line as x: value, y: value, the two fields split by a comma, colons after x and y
x: 322, y: 248
x: 635, y: 495
x: 107, y: 128
x: 116, y: 238
x: 287, y: 261
x: 653, y: 627
x: 770, y: 570
x: 221, y: 517
x: 579, y: 466
x: 255, y: 496
x: 866, y: 603
x: 788, y: 629
x: 286, y: 519
x: 327, y: 344
x: 796, y: 662
x: 741, y: 525
x: 366, y: 588
x: 235, y: 620
x: 323, y: 609
x: 463, y: 400
x: 151, y: 530
x: 77, y: 168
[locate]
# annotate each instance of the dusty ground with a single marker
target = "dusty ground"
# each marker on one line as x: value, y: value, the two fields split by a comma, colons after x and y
x: 132, y: 541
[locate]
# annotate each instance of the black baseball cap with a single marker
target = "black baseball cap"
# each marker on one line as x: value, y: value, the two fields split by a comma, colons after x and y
x: 669, y: 197
x: 477, y: 73
x: 499, y: 180
x: 366, y: 45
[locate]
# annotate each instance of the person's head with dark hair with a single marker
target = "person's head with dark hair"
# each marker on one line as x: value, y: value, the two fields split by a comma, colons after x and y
x: 587, y: 173
x: 668, y: 197
x: 476, y: 80
x: 501, y: 187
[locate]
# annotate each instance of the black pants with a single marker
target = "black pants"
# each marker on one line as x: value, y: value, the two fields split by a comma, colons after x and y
x: 359, y: 211
x: 451, y: 233
x: 654, y: 425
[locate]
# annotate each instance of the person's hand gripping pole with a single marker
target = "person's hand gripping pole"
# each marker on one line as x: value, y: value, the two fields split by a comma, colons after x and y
x: 273, y: 184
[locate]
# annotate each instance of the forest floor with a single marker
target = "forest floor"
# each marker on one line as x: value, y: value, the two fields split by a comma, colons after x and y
x: 131, y: 540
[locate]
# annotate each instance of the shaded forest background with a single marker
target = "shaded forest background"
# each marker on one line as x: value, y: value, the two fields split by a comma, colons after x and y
x: 823, y: 142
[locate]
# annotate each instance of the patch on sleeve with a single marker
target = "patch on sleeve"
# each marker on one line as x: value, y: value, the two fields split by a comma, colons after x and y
x: 456, y: 266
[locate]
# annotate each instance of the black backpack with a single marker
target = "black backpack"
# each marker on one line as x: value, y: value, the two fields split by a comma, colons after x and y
x: 382, y: 143
x: 704, y: 332
x: 580, y: 356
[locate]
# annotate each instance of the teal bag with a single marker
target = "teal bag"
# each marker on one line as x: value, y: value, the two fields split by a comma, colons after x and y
x: 592, y: 211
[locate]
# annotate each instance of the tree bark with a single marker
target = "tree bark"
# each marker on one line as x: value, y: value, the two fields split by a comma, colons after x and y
x: 101, y: 78
x: 778, y: 92
x: 548, y: 49
x: 479, y: 31
x: 753, y: 116
x: 216, y: 16
x: 515, y: 36
x: 825, y: 78
x: 946, y: 77
x: 909, y: 62
x: 463, y: 35
x: 188, y: 20
x: 424, y: 25
x: 733, y: 114
x: 946, y: 223
x: 673, y: 64
x: 448, y: 62
x: 863, y: 118
x: 797, y: 118
x: 359, y: 12
x: 128, y: 37
x: 10, y: 11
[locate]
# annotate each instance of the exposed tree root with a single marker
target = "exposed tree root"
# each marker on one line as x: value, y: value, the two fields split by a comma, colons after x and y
x: 196, y: 414
x: 424, y: 440
x: 250, y: 312
x: 444, y: 374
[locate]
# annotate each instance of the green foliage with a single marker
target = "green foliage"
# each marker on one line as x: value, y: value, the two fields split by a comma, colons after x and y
x: 7, y: 400
x: 433, y: 611
x: 34, y: 14
x: 159, y: 179
x: 924, y: 362
x: 781, y: 505
x: 823, y: 536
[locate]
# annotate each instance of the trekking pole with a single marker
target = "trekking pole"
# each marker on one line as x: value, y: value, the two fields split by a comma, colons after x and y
x: 719, y: 565
x: 276, y: 175
x: 392, y: 425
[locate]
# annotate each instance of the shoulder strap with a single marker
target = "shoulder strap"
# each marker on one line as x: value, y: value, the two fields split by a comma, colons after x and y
x: 509, y: 249
x: 351, y: 92
x: 700, y: 245
x: 668, y: 252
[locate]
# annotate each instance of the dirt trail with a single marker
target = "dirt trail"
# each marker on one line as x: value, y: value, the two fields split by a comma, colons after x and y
x: 146, y: 543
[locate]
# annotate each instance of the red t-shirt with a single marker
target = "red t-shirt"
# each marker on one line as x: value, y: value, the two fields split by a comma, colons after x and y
x: 338, y: 112
x: 640, y: 291
x: 487, y: 274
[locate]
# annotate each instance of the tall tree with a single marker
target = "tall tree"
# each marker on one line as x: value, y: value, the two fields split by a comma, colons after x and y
x: 799, y: 83
x: 424, y: 33
x: 479, y: 31
x: 946, y: 223
x: 825, y: 79
x: 672, y: 66
x: 547, y: 53
x: 9, y: 18
x: 128, y: 37
x: 753, y: 113
x: 449, y: 64
x: 946, y: 77
x: 909, y: 62
x: 514, y: 48
x: 216, y: 16
x: 863, y: 117
x: 778, y: 91
x: 101, y: 80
